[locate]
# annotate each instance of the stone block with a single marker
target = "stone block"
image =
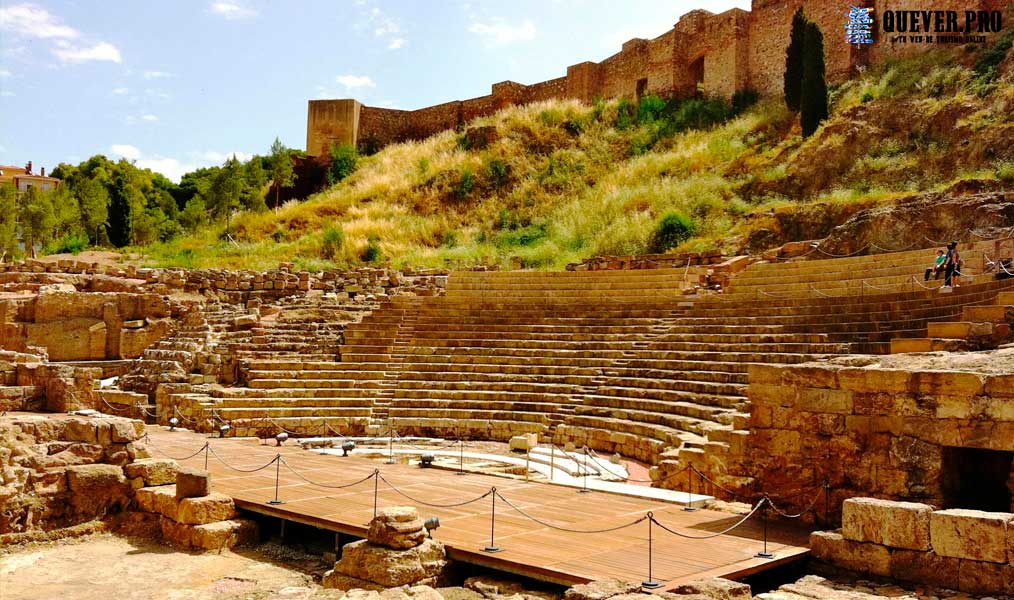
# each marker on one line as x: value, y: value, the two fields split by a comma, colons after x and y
x: 213, y: 536
x: 714, y: 587
x: 868, y: 559
x: 423, y: 564
x: 970, y: 534
x: 976, y: 577
x: 924, y: 567
x: 97, y: 490
x: 524, y: 442
x: 192, y: 483
x: 206, y: 509
x: 397, y: 527
x: 159, y: 500
x: 895, y: 524
x: 602, y: 589
x: 153, y: 471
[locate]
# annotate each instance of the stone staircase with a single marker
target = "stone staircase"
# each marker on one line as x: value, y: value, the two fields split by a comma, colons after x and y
x: 980, y: 327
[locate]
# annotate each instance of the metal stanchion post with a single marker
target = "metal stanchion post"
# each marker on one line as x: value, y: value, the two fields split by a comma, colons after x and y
x: 492, y: 547
x: 827, y: 502
x: 461, y: 456
x: 764, y: 517
x: 207, y: 448
x: 390, y: 443
x: 278, y: 469
x: 552, y: 460
x: 528, y: 463
x: 376, y: 486
x: 584, y: 480
x: 650, y: 583
x: 690, y: 499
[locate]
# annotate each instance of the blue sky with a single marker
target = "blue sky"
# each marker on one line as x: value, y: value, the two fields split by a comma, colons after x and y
x: 183, y: 84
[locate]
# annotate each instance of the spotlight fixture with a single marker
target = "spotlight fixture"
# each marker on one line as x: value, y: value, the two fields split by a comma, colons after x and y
x: 223, y: 429
x: 348, y: 446
x: 280, y: 438
x: 426, y: 460
x: 430, y: 524
x: 173, y: 422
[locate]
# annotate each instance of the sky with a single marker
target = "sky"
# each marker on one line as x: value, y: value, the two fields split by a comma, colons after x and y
x: 184, y: 84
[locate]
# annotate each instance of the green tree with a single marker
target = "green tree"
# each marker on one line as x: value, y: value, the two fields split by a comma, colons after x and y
x: 37, y: 218
x: 281, y: 168
x: 120, y: 205
x: 8, y: 222
x: 255, y: 178
x: 672, y: 229
x: 93, y: 201
x: 813, y: 102
x: 343, y: 162
x: 792, y: 85
x: 194, y: 214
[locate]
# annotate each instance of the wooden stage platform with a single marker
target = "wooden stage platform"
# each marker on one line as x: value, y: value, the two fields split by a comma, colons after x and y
x: 528, y: 548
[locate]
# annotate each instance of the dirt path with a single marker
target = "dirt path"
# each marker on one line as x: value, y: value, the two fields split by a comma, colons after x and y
x: 107, y: 567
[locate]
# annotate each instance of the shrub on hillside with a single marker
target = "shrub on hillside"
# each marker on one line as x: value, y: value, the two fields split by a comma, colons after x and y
x: 371, y: 253
x: 331, y: 242
x: 673, y: 229
x: 343, y: 163
x: 71, y: 242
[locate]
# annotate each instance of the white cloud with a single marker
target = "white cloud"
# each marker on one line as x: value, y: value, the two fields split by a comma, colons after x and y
x: 75, y: 55
x: 7, y: 94
x: 120, y: 91
x: 126, y: 151
x: 33, y: 21
x: 355, y: 81
x: 396, y: 43
x: 499, y: 32
x: 156, y: 94
x: 149, y: 118
x: 170, y: 167
x: 4, y: 73
x: 232, y: 11
x: 156, y: 75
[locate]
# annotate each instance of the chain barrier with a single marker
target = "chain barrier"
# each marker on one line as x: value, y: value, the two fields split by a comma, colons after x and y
x: 277, y: 457
x: 325, y: 485
x: 431, y: 504
x: 760, y: 504
x: 806, y: 510
x: 148, y: 441
x: 567, y: 529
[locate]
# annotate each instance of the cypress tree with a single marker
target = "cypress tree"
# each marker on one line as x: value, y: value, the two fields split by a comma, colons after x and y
x: 119, y: 214
x: 813, y: 102
x: 792, y: 85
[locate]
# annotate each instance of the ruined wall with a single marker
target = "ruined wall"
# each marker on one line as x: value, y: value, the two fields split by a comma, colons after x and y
x: 969, y: 550
x: 869, y: 431
x: 59, y: 472
x: 72, y: 325
x: 723, y: 53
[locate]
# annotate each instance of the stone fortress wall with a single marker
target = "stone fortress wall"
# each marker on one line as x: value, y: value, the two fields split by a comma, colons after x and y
x: 716, y: 53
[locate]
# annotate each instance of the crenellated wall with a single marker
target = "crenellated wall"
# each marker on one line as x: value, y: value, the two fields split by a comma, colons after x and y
x: 717, y: 54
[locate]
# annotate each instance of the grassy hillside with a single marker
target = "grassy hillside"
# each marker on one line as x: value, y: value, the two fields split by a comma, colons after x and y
x: 560, y: 181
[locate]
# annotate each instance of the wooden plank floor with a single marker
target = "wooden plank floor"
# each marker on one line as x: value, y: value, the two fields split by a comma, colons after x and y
x: 528, y: 548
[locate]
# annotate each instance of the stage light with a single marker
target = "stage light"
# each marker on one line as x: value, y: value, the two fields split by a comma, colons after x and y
x: 430, y: 524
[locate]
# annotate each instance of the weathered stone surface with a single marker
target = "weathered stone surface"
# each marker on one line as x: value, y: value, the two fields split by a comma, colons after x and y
x: 213, y: 536
x: 895, y: 524
x: 524, y: 442
x: 397, y: 527
x: 160, y: 499
x: 423, y: 564
x: 153, y: 471
x: 977, y: 577
x: 869, y: 559
x: 97, y: 489
x: 715, y: 587
x: 601, y: 590
x: 970, y: 534
x: 205, y: 509
x: 924, y: 567
x: 192, y: 483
